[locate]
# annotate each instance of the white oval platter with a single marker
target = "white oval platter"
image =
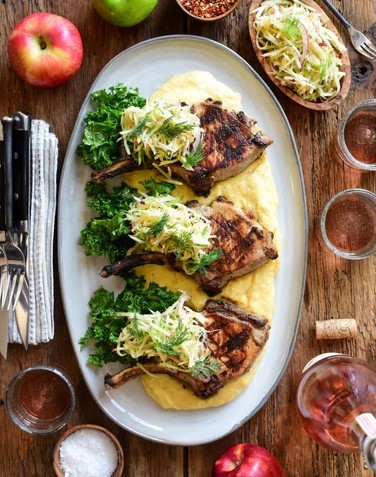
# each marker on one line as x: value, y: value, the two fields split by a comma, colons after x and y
x: 147, y: 65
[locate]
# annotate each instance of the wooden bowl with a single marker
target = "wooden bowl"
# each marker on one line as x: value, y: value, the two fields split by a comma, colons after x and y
x: 346, y: 67
x: 56, y: 455
x: 214, y: 19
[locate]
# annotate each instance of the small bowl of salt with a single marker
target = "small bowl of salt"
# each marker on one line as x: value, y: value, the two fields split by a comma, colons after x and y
x: 88, y: 451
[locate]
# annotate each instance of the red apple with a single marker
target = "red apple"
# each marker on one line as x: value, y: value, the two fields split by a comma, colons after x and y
x: 45, y: 49
x: 247, y: 460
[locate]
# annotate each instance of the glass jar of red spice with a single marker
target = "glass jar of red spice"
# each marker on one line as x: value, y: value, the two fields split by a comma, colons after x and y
x: 40, y: 399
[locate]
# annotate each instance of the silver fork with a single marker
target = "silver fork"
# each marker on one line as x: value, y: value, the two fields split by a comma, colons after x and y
x: 16, y: 259
x: 360, y: 42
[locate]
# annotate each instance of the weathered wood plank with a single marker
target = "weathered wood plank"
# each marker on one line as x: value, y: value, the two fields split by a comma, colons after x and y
x: 335, y: 288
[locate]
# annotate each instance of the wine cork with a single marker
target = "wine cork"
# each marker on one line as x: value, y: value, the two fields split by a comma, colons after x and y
x: 336, y: 329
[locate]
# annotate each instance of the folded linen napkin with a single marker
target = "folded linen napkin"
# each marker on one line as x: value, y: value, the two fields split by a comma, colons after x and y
x: 41, y: 234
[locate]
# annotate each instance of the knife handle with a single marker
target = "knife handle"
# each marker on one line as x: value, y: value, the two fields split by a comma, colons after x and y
x: 7, y: 123
x: 2, y: 188
x: 21, y: 166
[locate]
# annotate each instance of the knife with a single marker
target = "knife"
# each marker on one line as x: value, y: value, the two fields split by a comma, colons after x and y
x: 21, y: 209
x: 22, y: 314
x: 4, y: 315
x: 21, y: 177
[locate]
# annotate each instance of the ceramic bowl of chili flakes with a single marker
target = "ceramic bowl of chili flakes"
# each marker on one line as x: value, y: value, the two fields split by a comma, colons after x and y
x: 208, y: 10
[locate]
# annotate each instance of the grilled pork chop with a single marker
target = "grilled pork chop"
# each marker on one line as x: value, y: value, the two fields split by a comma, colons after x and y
x: 244, y: 246
x: 235, y: 339
x: 231, y: 142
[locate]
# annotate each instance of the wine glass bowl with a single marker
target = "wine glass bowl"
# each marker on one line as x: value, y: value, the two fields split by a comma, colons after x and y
x: 348, y: 224
x: 355, y: 141
x: 40, y: 399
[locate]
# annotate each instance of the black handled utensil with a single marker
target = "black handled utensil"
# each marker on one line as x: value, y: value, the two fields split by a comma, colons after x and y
x: 21, y: 177
x: 4, y: 315
x: 21, y: 209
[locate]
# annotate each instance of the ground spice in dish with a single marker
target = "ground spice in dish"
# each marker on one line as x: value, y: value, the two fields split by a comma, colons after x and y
x: 44, y: 395
x: 207, y: 8
x: 88, y: 453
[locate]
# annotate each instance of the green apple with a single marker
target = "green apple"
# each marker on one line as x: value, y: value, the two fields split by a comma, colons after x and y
x: 124, y: 13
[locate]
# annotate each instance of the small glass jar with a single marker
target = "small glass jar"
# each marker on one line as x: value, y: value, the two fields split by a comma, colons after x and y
x: 348, y: 224
x: 356, y: 136
x: 40, y: 399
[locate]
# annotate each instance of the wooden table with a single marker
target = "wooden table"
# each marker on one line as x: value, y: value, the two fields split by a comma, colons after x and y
x: 335, y: 288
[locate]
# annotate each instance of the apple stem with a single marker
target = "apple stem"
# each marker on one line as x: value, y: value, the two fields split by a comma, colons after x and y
x: 42, y: 43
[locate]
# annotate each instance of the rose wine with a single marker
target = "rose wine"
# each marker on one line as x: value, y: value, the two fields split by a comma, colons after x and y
x: 336, y: 401
x: 44, y: 395
x: 360, y: 135
x: 350, y: 223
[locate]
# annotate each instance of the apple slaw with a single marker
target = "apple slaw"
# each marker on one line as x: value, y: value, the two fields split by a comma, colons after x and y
x: 304, y: 53
x: 176, y: 338
x: 163, y: 224
x: 162, y: 131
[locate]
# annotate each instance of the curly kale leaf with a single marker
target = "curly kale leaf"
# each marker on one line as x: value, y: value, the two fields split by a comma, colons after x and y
x: 107, y: 323
x: 157, y: 188
x: 100, y: 145
x: 107, y: 234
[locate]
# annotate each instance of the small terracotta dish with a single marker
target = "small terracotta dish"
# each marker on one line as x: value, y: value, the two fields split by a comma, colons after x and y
x: 346, y: 67
x: 209, y: 19
x: 56, y: 455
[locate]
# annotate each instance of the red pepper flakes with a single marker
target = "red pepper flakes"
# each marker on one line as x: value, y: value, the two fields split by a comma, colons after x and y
x: 207, y: 8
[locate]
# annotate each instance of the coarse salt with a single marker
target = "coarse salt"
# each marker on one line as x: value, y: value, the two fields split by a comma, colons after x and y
x: 88, y: 453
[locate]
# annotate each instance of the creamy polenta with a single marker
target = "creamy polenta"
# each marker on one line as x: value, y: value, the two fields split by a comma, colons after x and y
x: 253, y: 189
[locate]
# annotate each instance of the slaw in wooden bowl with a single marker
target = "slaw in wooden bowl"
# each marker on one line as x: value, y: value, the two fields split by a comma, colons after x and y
x: 346, y: 67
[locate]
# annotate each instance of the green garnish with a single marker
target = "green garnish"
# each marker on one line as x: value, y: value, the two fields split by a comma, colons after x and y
x: 134, y: 329
x: 206, y: 260
x: 107, y: 323
x: 182, y: 242
x: 171, y: 343
x: 100, y: 146
x: 173, y: 130
x: 158, y: 226
x: 157, y: 188
x: 205, y: 368
x: 195, y: 158
x: 107, y: 234
x: 139, y: 127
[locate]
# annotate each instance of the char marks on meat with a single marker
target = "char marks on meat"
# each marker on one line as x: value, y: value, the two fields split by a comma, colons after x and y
x: 231, y: 142
x: 245, y: 245
x: 235, y: 339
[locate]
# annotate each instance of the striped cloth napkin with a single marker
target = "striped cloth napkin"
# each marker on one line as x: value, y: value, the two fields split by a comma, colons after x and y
x: 41, y: 234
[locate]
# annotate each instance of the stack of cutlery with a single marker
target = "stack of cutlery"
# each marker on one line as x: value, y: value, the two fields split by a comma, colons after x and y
x: 15, y: 167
